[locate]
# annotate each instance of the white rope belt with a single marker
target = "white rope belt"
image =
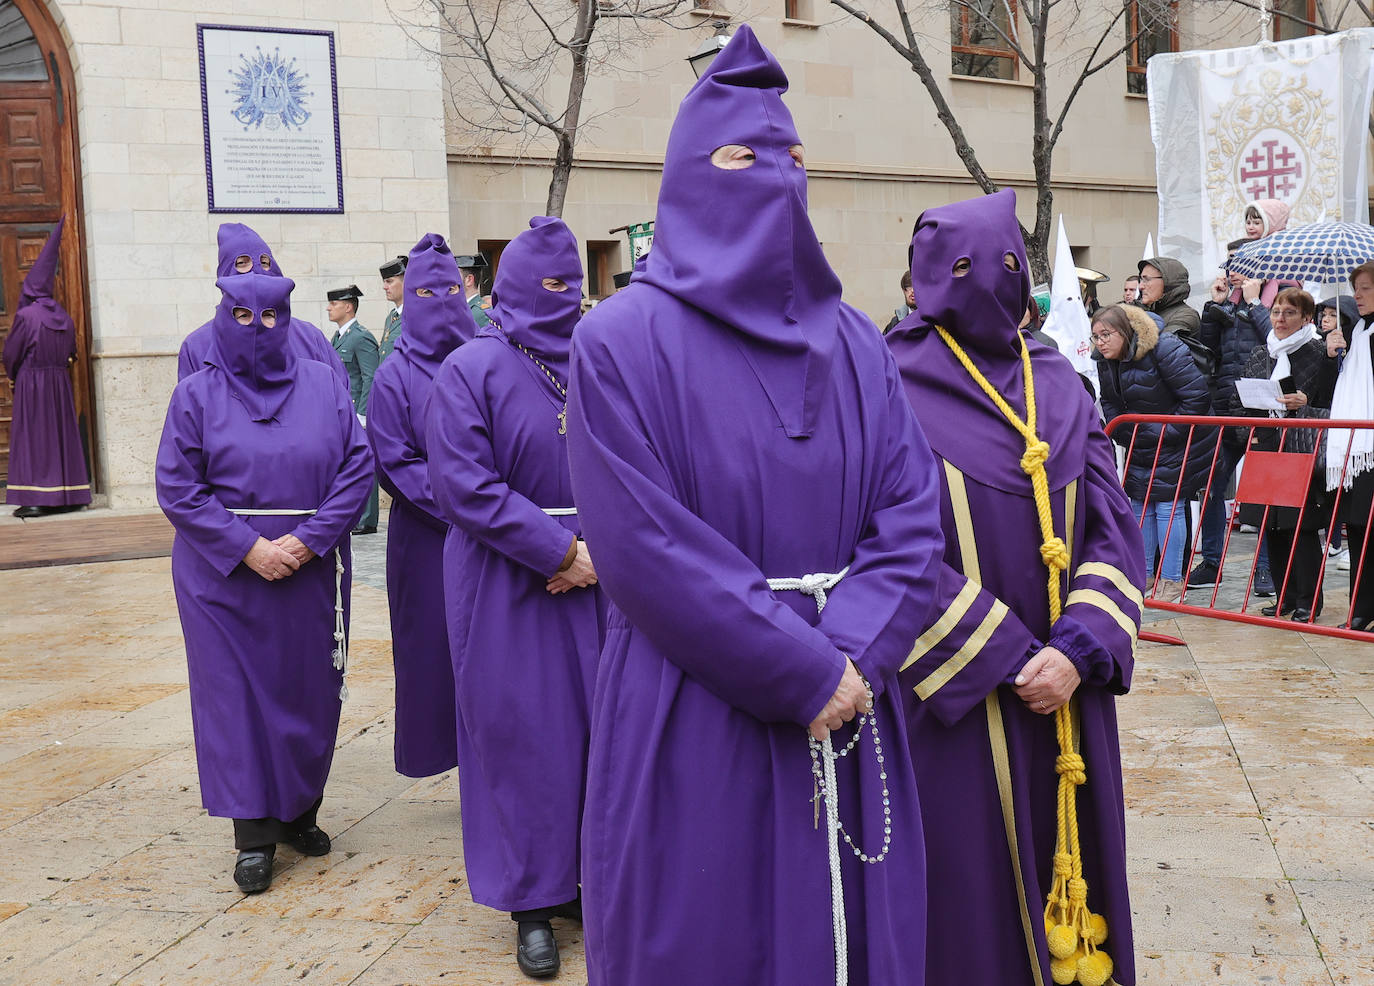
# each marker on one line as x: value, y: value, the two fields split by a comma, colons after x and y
x: 823, y: 758
x: 560, y: 511
x: 340, y: 653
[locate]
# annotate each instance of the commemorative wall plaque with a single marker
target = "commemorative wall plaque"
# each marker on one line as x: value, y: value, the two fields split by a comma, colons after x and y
x: 269, y: 97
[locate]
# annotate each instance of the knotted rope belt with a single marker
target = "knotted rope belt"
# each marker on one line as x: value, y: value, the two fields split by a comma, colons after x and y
x: 1072, y: 931
x: 823, y: 758
x: 340, y: 652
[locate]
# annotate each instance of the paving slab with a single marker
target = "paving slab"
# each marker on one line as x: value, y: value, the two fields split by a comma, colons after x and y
x: 1248, y: 766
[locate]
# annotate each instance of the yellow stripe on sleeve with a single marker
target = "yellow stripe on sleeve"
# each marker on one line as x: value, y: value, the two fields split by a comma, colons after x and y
x: 973, y: 646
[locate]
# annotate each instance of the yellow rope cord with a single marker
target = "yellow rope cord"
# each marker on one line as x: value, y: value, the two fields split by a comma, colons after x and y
x: 1072, y: 931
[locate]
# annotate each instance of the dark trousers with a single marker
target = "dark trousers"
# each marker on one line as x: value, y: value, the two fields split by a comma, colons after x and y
x: 257, y: 833
x: 1361, y: 591
x: 369, y: 517
x: 1305, y: 549
x: 572, y: 909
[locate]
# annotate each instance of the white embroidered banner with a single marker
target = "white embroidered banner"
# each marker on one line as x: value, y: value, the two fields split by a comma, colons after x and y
x: 1285, y: 121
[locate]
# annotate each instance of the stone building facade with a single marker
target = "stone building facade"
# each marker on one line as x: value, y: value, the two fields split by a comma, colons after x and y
x: 876, y: 153
x: 145, y: 243
x: 127, y: 165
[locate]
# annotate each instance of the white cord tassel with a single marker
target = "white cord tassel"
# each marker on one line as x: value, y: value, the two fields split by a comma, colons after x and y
x: 823, y: 759
x: 340, y: 635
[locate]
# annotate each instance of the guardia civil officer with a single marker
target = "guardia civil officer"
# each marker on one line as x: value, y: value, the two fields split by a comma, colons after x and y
x: 358, y: 350
x: 393, y: 286
x: 474, y: 267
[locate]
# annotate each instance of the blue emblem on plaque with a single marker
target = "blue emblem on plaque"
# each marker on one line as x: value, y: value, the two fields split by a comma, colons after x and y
x: 270, y: 91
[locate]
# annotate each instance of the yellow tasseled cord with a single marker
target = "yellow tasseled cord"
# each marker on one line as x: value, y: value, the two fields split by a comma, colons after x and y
x: 1071, y: 930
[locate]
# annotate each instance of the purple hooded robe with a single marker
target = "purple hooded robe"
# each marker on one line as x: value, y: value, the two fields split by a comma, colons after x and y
x: 523, y: 659
x: 47, y: 466
x: 303, y: 340
x: 733, y: 421
x: 260, y: 430
x: 437, y: 323
x: 985, y: 763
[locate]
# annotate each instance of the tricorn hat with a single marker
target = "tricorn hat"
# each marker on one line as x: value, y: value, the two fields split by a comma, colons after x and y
x: 472, y: 261
x: 350, y: 293
x: 394, y: 268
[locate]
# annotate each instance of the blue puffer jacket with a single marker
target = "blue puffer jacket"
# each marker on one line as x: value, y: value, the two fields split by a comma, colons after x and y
x: 1160, y: 377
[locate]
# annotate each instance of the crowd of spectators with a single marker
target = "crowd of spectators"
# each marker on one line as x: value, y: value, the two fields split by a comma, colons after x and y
x: 1156, y: 354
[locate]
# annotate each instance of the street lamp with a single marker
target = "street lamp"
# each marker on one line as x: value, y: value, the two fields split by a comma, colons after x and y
x: 702, y: 58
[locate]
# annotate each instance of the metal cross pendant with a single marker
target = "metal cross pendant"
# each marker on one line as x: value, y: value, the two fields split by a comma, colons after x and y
x: 563, y: 420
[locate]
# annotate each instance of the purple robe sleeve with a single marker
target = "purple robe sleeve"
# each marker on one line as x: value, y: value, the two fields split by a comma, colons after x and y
x: 875, y: 613
x: 348, y: 492
x: 402, y: 466
x: 973, y: 644
x: 220, y: 537
x: 17, y: 343
x: 696, y: 597
x: 1101, y: 618
x: 469, y: 491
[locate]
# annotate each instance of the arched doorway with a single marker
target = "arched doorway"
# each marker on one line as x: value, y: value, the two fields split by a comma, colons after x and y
x: 40, y: 180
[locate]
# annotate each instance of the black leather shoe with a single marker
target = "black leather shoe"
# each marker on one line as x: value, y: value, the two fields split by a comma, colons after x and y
x: 1361, y: 623
x: 1304, y: 615
x: 364, y: 530
x: 536, y: 952
x: 1273, y: 610
x: 310, y: 842
x: 253, y: 871
x: 25, y: 513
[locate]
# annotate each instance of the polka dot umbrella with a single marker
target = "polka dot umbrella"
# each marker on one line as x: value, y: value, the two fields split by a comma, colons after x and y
x: 1321, y: 252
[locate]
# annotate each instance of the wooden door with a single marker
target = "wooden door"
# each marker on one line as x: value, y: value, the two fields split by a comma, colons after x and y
x: 39, y: 183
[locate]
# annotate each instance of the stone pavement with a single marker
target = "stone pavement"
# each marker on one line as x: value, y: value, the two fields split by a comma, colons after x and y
x: 1249, y: 787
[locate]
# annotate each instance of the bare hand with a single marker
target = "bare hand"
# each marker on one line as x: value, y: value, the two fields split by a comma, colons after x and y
x: 1250, y: 289
x: 295, y: 547
x: 1335, y: 342
x: 1047, y: 681
x: 1294, y: 400
x: 850, y: 700
x: 1220, y: 290
x: 577, y: 574
x: 270, y: 560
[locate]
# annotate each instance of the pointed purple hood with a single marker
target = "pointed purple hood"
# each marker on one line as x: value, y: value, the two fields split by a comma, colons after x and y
x: 983, y: 307
x: 739, y: 245
x: 438, y: 321
x: 523, y: 309
x: 981, y: 310
x: 38, y: 283
x: 237, y: 240
x: 255, y: 357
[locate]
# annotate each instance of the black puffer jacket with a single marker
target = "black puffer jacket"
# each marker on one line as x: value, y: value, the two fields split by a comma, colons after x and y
x: 1172, y: 305
x: 1233, y: 331
x: 1159, y: 377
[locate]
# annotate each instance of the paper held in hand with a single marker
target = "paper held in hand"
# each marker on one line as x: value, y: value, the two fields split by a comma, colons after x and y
x: 1261, y: 395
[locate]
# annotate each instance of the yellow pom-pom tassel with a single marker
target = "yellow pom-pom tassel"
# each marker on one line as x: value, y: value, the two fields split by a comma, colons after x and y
x: 1063, y: 971
x: 1063, y: 941
x: 1095, y: 969
x: 1050, y: 925
x: 1097, y: 929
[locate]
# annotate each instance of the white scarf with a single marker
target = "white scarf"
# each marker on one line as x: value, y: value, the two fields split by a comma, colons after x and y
x: 1280, y: 348
x: 1353, y: 401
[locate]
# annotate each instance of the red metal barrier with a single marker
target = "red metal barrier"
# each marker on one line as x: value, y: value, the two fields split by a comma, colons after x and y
x: 1269, y: 478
